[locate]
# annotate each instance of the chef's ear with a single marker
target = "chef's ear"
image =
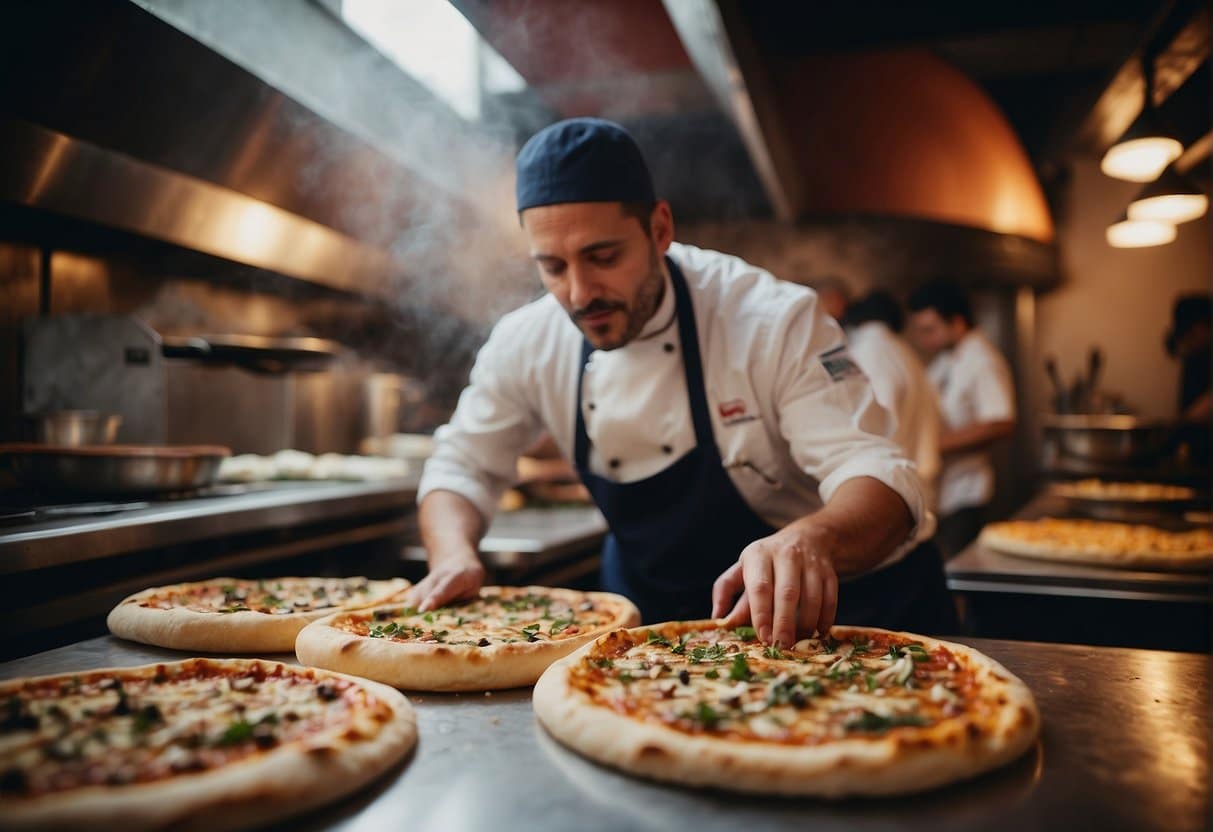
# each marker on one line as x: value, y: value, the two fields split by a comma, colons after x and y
x: 661, y: 222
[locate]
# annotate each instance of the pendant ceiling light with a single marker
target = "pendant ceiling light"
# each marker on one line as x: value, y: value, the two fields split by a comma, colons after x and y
x: 1170, y: 198
x: 1146, y: 148
x: 1127, y: 233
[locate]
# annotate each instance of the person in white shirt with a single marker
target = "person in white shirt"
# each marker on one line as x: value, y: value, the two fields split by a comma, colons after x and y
x: 976, y: 398
x: 712, y: 411
x: 899, y: 381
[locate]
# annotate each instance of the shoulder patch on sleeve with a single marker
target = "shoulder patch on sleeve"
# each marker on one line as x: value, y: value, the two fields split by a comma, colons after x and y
x: 839, y: 364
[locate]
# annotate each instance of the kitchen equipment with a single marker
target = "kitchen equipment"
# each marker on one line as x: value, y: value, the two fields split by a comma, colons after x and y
x: 1094, y: 365
x: 1110, y: 438
x: 248, y: 394
x: 385, y: 396
x: 1060, y: 398
x: 114, y: 469
x: 254, y: 352
x: 72, y: 428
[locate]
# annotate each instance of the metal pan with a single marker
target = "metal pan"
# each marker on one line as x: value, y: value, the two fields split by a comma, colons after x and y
x: 114, y: 469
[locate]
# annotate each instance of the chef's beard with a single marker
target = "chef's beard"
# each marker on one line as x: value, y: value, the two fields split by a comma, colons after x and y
x: 639, y: 311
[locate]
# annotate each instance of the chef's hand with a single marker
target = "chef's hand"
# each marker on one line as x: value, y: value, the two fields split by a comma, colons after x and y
x: 451, y: 528
x: 789, y: 584
x: 451, y: 578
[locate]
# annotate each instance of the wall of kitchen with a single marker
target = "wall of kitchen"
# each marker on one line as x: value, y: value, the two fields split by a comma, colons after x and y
x: 1119, y: 299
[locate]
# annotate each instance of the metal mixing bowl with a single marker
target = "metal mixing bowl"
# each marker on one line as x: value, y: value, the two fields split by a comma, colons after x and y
x: 1111, y: 439
x: 73, y: 428
x: 115, y: 469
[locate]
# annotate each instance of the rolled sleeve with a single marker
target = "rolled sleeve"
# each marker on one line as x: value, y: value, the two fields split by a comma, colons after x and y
x: 835, y: 429
x: 475, y: 454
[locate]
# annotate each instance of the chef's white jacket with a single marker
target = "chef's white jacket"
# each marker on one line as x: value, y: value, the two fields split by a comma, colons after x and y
x: 792, y: 415
x: 974, y: 384
x: 900, y: 383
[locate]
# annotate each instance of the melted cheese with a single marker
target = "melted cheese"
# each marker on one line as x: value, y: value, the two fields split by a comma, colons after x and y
x: 721, y: 682
x: 114, y: 728
x: 501, y: 615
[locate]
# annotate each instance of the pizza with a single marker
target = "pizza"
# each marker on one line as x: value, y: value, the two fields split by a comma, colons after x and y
x: 1102, y: 543
x: 1126, y: 492
x: 237, y: 615
x: 503, y: 638
x: 860, y: 712
x: 201, y: 744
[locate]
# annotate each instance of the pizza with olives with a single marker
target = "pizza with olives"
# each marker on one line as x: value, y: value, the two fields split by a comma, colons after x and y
x: 1102, y: 543
x: 200, y: 744
x: 237, y: 615
x: 861, y: 712
x: 503, y: 638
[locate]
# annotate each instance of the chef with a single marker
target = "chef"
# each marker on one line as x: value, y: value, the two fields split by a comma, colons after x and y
x: 898, y: 379
x: 976, y: 401
x: 711, y: 410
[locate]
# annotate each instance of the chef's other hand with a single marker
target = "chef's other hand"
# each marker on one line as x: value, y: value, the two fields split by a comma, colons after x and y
x: 450, y: 579
x: 790, y: 587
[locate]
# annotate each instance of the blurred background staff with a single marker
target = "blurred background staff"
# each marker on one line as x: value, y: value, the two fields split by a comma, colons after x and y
x: 899, y: 380
x: 977, y: 404
x: 1188, y: 341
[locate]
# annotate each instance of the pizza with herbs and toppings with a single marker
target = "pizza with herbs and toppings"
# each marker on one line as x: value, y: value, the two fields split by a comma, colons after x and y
x: 860, y: 712
x: 1102, y: 543
x: 1128, y: 492
x: 503, y: 638
x: 200, y: 744
x: 236, y: 615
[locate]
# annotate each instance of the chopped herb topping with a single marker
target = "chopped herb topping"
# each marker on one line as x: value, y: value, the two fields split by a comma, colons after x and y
x: 147, y: 717
x: 875, y: 723
x: 740, y: 670
x: 657, y: 638
x: 746, y: 633
x: 705, y: 715
x: 714, y: 653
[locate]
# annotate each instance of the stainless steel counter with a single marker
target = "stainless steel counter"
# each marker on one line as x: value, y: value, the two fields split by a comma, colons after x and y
x: 531, y: 538
x: 1124, y: 746
x: 175, y: 522
x: 980, y: 569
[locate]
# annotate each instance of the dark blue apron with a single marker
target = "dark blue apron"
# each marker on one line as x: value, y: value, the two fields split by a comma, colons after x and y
x: 673, y: 533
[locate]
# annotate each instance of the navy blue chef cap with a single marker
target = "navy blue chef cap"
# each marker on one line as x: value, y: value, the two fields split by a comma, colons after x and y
x: 581, y: 160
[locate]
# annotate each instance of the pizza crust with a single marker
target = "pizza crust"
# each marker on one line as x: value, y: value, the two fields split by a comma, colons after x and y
x: 902, y: 762
x: 1103, y: 491
x: 1002, y: 538
x: 450, y: 667
x: 248, y: 631
x: 277, y: 784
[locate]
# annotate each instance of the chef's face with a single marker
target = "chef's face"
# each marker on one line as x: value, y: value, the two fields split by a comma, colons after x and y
x: 932, y: 333
x: 601, y: 265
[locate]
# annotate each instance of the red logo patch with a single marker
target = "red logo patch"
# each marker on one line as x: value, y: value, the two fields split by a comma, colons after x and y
x: 731, y: 408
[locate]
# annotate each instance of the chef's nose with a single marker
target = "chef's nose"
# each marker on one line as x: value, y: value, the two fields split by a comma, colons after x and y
x: 581, y: 287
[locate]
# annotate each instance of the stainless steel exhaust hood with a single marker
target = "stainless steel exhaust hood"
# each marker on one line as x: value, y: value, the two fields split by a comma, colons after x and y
x: 110, y: 115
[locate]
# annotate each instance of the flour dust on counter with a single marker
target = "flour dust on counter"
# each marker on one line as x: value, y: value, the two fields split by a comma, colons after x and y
x: 862, y: 711
x: 237, y: 615
x: 505, y: 637
x: 199, y: 744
